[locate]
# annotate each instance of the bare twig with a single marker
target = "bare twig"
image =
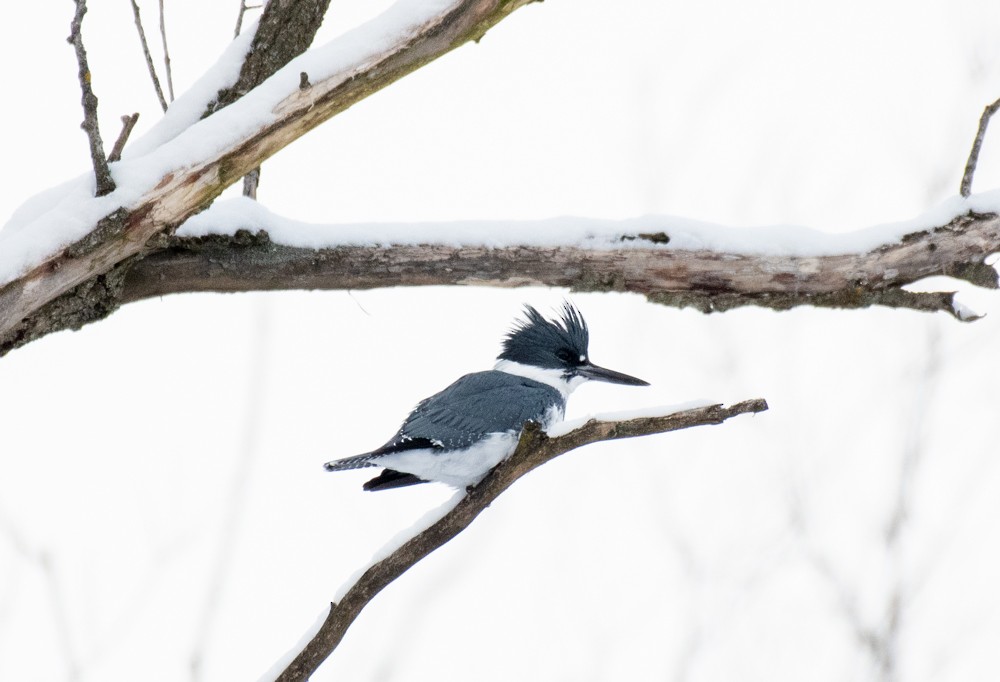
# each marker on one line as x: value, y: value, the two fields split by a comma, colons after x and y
x: 148, y: 56
x: 239, y: 17
x: 166, y: 55
x: 105, y: 183
x: 534, y: 449
x: 128, y: 122
x: 970, y: 166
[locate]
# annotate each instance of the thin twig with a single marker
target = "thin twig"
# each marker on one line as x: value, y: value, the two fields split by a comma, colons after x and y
x: 239, y: 17
x: 534, y: 449
x: 128, y: 122
x: 148, y: 56
x: 970, y: 166
x: 166, y: 55
x: 105, y: 183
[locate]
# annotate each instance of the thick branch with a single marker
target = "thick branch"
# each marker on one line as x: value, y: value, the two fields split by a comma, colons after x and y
x: 105, y: 184
x: 707, y: 280
x: 534, y: 449
x: 191, y: 186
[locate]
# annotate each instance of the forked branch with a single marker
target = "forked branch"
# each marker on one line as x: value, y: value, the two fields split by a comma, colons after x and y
x: 534, y: 449
x: 31, y: 304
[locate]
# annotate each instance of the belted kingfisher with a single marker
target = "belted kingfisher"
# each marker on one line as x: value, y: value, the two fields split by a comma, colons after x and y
x: 458, y: 435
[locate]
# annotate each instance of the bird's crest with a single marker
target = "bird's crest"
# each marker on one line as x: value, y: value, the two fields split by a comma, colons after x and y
x: 554, y: 343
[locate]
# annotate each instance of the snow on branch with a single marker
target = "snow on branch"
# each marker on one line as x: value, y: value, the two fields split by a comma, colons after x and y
x: 671, y: 261
x: 68, y: 258
x: 94, y: 241
x: 534, y: 449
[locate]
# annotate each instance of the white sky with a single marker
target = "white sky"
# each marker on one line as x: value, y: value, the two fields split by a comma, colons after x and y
x: 722, y: 553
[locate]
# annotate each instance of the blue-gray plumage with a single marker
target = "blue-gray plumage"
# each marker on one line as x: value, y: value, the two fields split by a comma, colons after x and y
x: 458, y: 435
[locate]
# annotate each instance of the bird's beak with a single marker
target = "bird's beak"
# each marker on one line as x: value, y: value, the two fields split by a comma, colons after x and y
x: 596, y: 373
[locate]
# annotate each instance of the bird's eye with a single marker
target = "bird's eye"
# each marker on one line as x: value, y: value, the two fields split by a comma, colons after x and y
x: 567, y: 356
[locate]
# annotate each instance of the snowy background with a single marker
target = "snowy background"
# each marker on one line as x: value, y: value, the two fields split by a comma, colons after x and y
x: 163, y: 509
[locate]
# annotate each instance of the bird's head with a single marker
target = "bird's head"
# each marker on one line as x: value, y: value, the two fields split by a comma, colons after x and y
x: 557, y: 348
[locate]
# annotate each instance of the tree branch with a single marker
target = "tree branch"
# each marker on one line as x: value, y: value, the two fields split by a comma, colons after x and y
x: 707, y: 280
x: 91, y: 278
x: 167, y: 70
x: 239, y: 17
x: 190, y: 186
x: 534, y: 449
x: 102, y: 174
x: 128, y: 122
x: 286, y: 29
x: 149, y: 58
x: 970, y: 166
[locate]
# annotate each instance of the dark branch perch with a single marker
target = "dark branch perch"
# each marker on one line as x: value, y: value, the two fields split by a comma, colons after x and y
x: 105, y: 184
x: 534, y: 449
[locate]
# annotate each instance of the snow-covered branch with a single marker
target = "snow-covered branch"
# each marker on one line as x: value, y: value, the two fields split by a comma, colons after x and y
x: 68, y: 258
x: 669, y: 261
x: 69, y: 286
x: 534, y: 449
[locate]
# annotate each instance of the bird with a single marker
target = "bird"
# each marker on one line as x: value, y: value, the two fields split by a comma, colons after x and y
x: 458, y: 435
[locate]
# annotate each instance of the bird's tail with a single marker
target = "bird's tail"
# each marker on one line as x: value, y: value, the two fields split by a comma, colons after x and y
x: 356, y: 462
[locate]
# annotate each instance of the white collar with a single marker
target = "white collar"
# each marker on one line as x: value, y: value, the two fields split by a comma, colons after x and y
x: 550, y: 377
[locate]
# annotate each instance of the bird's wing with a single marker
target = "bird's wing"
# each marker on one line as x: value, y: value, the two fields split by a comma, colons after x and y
x: 473, y: 407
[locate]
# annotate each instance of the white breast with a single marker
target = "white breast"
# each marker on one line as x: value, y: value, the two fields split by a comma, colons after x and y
x: 458, y: 468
